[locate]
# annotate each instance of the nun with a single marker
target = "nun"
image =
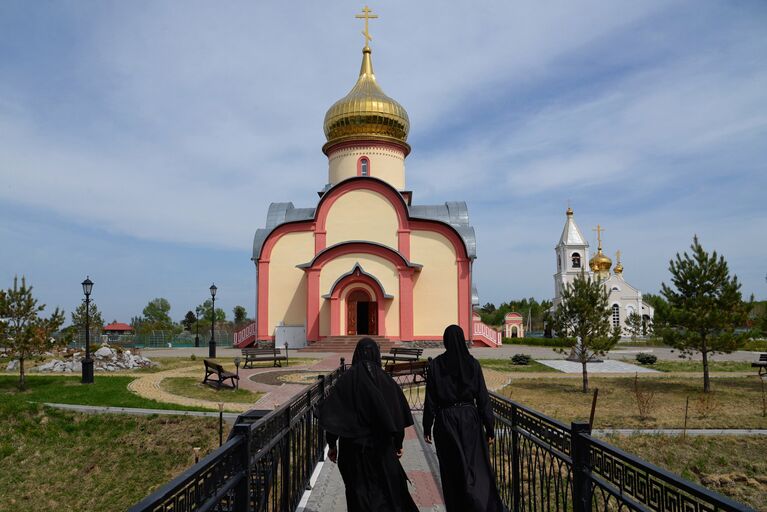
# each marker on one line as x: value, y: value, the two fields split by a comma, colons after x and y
x: 364, y: 419
x: 458, y: 407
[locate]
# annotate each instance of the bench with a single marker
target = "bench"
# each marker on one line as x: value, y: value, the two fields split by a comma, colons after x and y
x: 403, y: 354
x: 213, y: 368
x: 254, y: 355
x: 761, y: 364
x: 401, y: 371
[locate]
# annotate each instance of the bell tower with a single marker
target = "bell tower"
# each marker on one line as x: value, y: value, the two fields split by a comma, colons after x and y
x: 572, y: 255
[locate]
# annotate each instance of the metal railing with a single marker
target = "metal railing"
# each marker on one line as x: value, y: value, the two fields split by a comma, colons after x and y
x: 540, y: 464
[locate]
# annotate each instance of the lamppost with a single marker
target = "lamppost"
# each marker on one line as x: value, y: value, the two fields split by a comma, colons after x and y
x: 212, y: 344
x: 87, y: 363
x: 197, y: 326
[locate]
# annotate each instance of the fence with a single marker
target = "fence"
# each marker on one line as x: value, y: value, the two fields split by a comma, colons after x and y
x: 152, y: 339
x: 540, y: 464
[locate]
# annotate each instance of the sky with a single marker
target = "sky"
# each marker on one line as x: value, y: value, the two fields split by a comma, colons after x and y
x: 142, y: 142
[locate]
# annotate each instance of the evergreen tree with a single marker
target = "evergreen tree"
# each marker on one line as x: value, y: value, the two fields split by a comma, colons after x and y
x: 95, y: 321
x: 188, y: 321
x: 704, y: 307
x: 634, y: 325
x: 23, y: 330
x: 584, y: 319
x: 240, y: 315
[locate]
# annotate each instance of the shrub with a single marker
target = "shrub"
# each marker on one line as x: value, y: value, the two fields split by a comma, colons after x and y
x: 538, y: 342
x: 193, y: 357
x: 644, y: 399
x: 644, y: 358
x: 521, y: 359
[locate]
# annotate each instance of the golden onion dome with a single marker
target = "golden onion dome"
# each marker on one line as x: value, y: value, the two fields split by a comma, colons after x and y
x: 366, y: 112
x: 619, y: 266
x: 600, y: 263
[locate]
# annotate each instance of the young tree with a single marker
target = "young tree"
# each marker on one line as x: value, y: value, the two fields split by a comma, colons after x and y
x: 634, y: 325
x: 704, y: 308
x: 206, y: 314
x: 584, y: 319
x: 188, y: 321
x: 26, y: 333
x: 94, y: 319
x: 240, y: 315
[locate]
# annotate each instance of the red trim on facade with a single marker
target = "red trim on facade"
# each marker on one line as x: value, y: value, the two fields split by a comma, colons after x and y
x: 403, y: 242
x: 313, y: 304
x: 263, y: 298
x: 359, y: 166
x: 347, y: 282
x: 406, y: 304
x: 333, y: 252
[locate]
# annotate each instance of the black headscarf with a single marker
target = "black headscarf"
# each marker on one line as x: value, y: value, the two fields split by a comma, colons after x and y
x: 365, y: 401
x: 460, y: 364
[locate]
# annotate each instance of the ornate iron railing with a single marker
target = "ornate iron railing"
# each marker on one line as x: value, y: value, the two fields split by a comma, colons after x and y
x: 542, y: 464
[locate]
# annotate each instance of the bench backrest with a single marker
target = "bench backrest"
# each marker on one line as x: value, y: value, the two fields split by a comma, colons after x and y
x: 260, y: 351
x: 406, y: 368
x: 406, y: 351
x: 210, y: 364
x: 763, y: 357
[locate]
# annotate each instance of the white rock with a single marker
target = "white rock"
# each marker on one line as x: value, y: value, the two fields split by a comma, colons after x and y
x: 105, y: 353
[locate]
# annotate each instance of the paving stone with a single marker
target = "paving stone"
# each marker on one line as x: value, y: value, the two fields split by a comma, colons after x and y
x: 608, y: 366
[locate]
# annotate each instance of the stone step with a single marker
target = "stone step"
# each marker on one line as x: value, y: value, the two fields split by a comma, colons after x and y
x: 346, y: 344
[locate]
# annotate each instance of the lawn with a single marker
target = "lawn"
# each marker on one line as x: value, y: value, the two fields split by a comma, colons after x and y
x: 191, y: 387
x: 106, y: 391
x: 685, y: 365
x: 733, y: 466
x: 56, y: 460
x: 172, y: 363
x: 505, y: 365
x: 735, y: 402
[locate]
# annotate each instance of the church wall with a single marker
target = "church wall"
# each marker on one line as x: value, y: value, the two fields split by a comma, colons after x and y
x: 435, y: 293
x: 362, y: 215
x: 386, y: 163
x: 287, y: 295
x: 386, y: 273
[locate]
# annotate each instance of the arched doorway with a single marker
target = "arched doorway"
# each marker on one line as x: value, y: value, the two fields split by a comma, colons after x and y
x: 361, y: 313
x: 514, y: 331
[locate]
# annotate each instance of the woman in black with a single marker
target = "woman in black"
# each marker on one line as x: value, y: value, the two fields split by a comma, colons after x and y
x: 369, y: 413
x: 458, y: 406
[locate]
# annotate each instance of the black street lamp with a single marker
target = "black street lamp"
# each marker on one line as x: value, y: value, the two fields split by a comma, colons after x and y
x: 197, y: 326
x: 87, y: 363
x: 212, y: 344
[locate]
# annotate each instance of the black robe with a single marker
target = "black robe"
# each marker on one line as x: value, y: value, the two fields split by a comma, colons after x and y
x: 458, y: 406
x: 369, y: 413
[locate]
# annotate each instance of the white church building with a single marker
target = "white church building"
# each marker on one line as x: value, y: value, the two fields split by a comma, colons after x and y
x: 573, y: 257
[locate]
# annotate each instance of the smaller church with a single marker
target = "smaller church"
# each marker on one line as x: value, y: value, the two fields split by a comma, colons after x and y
x: 572, y: 253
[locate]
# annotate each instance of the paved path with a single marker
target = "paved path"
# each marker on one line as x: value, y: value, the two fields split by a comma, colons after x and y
x: 607, y: 366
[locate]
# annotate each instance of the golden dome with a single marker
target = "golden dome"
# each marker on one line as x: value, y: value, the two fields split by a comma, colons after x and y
x: 366, y: 113
x: 619, y: 267
x: 600, y: 262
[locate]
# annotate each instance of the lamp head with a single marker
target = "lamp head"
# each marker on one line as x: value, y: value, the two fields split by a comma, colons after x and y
x: 87, y: 286
x: 213, y: 290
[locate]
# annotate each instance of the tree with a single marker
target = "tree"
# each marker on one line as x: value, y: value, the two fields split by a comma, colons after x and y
x: 584, y: 319
x: 205, y: 313
x: 635, y: 325
x: 705, y: 307
x: 156, y: 315
x: 240, y: 315
x: 94, y: 319
x: 26, y: 333
x: 188, y: 321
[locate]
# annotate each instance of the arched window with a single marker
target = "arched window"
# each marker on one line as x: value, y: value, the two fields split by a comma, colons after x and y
x: 616, y: 315
x: 576, y: 258
x: 364, y: 167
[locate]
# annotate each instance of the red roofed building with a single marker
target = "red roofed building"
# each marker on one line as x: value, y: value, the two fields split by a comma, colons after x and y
x: 117, y: 328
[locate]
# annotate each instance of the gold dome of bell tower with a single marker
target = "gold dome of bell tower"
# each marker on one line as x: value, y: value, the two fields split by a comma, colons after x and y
x: 366, y: 112
x: 600, y: 263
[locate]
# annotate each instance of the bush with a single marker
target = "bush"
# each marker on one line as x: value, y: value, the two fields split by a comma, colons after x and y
x: 643, y: 358
x: 521, y: 359
x: 193, y: 357
x: 539, y: 342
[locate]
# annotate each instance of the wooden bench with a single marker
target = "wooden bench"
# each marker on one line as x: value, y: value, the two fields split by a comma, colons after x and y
x: 213, y: 368
x: 403, y: 354
x: 255, y: 355
x: 761, y: 364
x: 401, y: 372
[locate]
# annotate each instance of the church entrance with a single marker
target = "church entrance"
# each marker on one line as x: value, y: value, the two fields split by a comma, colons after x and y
x: 361, y: 313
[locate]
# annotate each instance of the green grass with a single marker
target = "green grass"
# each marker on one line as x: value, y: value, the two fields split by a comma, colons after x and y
x: 172, y: 363
x: 756, y: 345
x: 62, y: 461
x: 105, y: 391
x: 697, y: 366
x: 505, y: 365
x: 733, y: 466
x: 192, y: 388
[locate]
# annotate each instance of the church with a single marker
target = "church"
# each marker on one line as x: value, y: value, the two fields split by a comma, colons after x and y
x: 572, y: 253
x: 365, y: 260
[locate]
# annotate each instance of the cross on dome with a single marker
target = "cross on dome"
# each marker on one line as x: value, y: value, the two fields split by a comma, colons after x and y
x: 366, y: 16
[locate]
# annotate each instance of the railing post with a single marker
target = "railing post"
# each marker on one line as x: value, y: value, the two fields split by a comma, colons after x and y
x: 343, y: 364
x: 242, y: 491
x: 516, y: 463
x: 309, y: 455
x: 320, y: 433
x: 581, y: 468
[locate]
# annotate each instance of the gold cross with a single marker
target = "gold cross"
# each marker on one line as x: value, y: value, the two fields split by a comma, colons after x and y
x: 366, y: 16
x: 599, y: 229
x: 618, y: 255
